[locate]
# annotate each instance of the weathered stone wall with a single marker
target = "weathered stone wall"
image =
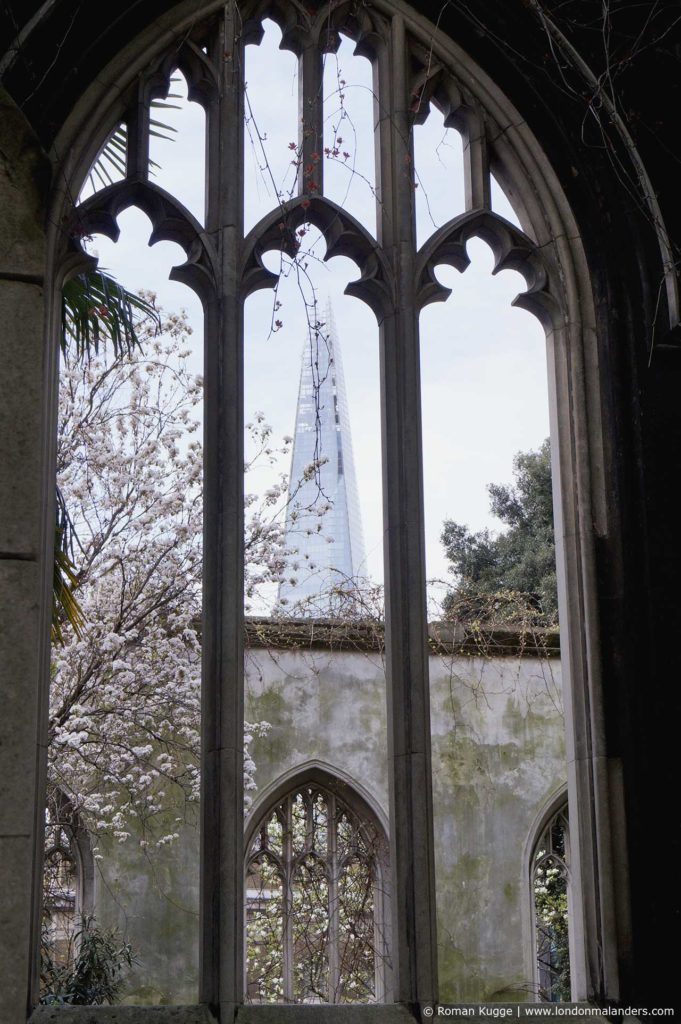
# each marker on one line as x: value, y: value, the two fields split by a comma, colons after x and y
x: 25, y: 420
x: 498, y: 757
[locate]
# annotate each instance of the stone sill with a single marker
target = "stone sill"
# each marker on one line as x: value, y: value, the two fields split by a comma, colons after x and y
x: 273, y: 1014
x: 122, y: 1015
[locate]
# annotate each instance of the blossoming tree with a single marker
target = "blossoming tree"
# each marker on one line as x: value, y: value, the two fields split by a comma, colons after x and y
x: 125, y: 697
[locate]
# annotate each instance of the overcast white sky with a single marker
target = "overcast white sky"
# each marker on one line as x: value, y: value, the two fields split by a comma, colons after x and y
x: 483, y: 362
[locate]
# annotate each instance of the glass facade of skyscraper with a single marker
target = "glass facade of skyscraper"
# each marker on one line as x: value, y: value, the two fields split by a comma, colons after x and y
x: 323, y: 523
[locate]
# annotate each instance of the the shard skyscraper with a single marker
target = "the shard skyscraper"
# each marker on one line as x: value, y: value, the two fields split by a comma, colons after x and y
x: 323, y: 523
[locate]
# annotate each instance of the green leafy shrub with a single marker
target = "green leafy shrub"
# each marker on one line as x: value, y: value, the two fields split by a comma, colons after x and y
x: 95, y: 974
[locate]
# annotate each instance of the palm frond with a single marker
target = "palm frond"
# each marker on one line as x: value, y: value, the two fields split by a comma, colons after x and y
x: 65, y: 605
x: 97, y: 309
x: 111, y: 161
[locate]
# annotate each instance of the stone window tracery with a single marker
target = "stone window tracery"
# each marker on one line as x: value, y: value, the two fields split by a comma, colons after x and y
x: 66, y: 877
x: 413, y: 69
x: 550, y: 884
x: 315, y: 895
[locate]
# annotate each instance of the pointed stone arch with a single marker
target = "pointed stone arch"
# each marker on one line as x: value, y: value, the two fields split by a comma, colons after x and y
x: 326, y: 940
x: 584, y: 515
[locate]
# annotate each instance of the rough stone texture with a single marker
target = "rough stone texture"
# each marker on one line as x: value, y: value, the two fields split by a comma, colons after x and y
x: 22, y: 429
x: 22, y: 255
x: 392, y: 1014
x: 21, y: 414
x: 387, y: 1014
x: 24, y: 175
x: 16, y: 861
x: 122, y: 1015
x: 18, y: 658
x: 498, y: 756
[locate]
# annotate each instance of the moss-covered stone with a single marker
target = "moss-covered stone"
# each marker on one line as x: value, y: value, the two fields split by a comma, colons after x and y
x: 498, y: 754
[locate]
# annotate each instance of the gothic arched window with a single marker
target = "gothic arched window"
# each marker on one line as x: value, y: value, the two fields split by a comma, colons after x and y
x: 315, y: 901
x: 415, y: 68
x: 550, y: 881
x: 67, y: 877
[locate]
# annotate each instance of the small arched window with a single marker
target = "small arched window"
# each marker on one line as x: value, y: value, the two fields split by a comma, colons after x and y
x: 316, y: 900
x: 67, y: 877
x: 550, y: 884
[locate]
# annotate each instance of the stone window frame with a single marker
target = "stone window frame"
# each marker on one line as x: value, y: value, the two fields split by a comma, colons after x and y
x: 411, y: 58
x: 78, y: 850
x: 346, y: 791
x: 554, y: 807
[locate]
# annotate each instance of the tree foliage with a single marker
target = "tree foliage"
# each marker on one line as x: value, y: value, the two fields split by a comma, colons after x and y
x: 124, y: 724
x: 96, y: 311
x: 96, y: 973
x: 551, y: 915
x: 516, y: 569
x: 550, y: 884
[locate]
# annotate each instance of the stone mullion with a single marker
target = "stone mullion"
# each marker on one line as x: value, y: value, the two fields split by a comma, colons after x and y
x: 411, y: 819
x: 311, y: 120
x: 477, y: 182
x: 380, y: 946
x: 287, y: 904
x: 137, y: 154
x: 222, y: 941
x: 333, y: 880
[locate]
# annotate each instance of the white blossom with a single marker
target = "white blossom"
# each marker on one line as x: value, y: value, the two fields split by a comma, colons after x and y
x: 125, y: 697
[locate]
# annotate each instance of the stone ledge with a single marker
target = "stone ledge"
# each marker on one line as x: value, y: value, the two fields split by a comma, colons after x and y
x: 444, y: 639
x: 122, y: 1015
x: 386, y: 1013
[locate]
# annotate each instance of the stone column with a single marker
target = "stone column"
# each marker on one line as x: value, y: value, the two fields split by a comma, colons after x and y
x: 408, y: 697
x: 26, y: 539
x: 222, y: 864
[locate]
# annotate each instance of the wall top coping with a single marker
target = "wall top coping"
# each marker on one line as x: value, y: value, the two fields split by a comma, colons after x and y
x: 444, y: 638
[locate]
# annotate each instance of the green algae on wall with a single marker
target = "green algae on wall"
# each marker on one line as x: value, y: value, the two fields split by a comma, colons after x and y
x: 498, y: 756
x: 498, y: 753
x: 151, y: 895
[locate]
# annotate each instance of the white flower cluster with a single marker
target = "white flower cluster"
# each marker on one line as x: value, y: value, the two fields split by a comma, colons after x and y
x: 125, y: 697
